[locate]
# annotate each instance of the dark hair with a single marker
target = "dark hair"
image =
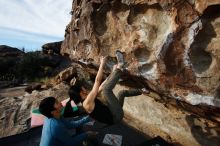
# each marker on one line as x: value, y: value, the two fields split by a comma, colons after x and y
x: 47, y: 106
x: 74, y: 93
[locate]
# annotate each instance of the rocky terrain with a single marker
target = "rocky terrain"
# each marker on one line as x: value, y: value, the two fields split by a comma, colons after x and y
x: 16, y: 107
x: 171, y: 47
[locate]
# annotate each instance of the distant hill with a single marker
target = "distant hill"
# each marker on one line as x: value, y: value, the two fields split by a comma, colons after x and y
x: 7, y: 51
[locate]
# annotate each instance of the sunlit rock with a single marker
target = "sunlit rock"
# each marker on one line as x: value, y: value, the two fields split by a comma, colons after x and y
x: 172, y: 47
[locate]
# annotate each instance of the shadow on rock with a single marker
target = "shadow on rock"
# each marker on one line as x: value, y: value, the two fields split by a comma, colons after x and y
x: 205, y: 133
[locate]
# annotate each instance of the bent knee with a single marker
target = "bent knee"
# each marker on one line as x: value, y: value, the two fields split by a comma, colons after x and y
x: 106, y: 88
x: 106, y: 93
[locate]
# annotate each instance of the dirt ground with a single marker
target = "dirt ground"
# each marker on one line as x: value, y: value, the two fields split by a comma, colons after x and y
x: 12, y: 92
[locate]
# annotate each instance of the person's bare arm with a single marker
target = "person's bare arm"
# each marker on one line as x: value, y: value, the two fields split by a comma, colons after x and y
x: 88, y: 103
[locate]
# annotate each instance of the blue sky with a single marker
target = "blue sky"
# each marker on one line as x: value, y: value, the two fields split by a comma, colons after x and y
x: 32, y: 23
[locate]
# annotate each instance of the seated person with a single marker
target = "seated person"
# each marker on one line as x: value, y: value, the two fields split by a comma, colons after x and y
x: 112, y: 112
x: 55, y: 129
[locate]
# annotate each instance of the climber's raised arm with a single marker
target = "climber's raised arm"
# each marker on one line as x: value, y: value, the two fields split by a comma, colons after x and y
x: 88, y: 103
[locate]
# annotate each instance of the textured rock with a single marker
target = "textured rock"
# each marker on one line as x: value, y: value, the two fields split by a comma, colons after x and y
x: 161, y: 39
x: 171, y: 47
x: 16, y: 111
x: 77, y: 71
x: 201, y: 5
x: 52, y: 48
x: 66, y: 74
x: 30, y: 88
x: 173, y: 123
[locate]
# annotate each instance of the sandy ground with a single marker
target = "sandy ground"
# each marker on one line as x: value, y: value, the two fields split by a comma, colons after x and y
x: 12, y: 92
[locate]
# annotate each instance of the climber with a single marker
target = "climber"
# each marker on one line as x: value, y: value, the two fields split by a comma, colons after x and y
x: 112, y: 112
x: 56, y: 129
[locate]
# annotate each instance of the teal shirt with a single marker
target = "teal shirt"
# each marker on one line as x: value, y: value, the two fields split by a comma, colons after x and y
x: 55, y: 132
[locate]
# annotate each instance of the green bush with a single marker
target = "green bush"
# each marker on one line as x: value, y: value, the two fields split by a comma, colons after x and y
x: 7, y: 66
x: 31, y: 66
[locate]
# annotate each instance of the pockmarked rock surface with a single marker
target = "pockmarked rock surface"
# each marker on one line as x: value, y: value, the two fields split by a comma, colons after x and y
x: 171, y: 47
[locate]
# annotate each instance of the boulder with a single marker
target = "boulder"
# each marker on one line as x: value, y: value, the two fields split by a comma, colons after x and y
x: 161, y: 40
x: 52, y: 48
x: 32, y: 87
x: 170, y: 47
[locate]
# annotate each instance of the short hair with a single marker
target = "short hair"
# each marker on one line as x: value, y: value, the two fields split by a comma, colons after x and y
x: 74, y: 92
x: 47, y: 106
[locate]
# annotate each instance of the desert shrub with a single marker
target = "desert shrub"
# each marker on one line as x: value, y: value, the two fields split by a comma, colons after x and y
x: 31, y: 66
x: 7, y: 66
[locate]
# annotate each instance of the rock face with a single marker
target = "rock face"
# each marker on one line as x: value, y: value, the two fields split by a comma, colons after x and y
x: 171, y: 45
x: 52, y: 48
x: 174, y: 122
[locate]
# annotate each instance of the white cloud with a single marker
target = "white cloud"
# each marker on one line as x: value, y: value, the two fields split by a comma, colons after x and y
x: 37, y: 17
